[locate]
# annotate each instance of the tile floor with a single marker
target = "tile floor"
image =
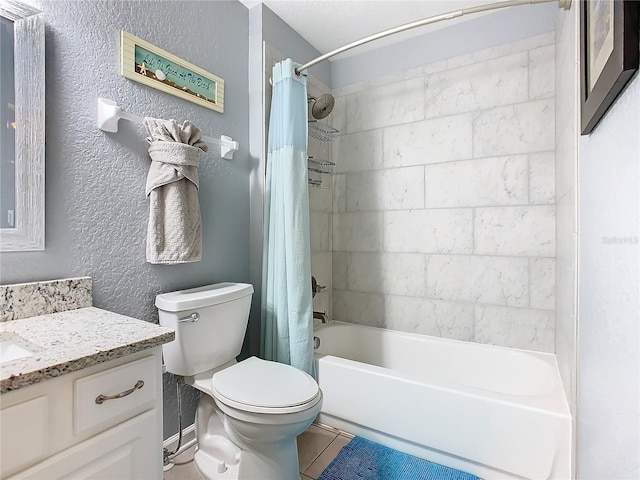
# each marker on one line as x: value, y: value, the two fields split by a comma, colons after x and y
x: 317, y: 446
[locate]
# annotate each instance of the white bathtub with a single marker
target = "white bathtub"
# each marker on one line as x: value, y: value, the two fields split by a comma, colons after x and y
x: 492, y: 411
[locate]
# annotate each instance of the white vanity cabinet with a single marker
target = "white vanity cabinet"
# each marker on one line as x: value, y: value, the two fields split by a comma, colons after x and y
x: 102, y: 422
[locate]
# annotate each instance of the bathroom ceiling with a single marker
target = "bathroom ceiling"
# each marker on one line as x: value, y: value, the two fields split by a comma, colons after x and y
x: 329, y: 24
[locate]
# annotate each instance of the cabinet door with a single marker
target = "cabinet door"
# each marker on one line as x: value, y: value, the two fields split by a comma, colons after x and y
x: 23, y: 434
x: 129, y: 451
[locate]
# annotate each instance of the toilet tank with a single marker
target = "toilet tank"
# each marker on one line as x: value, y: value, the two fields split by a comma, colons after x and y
x: 210, y: 323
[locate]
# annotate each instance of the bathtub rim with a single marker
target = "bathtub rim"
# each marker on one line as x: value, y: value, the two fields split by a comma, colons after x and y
x: 553, y: 401
x: 551, y: 357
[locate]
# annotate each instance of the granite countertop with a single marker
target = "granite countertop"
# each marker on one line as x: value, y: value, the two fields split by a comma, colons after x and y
x: 72, y: 340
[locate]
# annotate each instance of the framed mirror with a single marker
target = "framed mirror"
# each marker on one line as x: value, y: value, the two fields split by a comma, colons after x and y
x: 21, y: 127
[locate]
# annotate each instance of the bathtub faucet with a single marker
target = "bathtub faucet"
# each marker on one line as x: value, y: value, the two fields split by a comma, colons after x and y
x: 322, y: 316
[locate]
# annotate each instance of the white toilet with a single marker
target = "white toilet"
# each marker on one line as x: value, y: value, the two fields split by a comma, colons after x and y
x: 251, y: 412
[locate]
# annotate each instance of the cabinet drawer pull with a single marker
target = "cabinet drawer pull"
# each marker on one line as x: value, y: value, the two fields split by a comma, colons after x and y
x: 100, y: 399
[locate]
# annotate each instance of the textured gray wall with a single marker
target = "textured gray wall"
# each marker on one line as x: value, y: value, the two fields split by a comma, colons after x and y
x: 96, y: 209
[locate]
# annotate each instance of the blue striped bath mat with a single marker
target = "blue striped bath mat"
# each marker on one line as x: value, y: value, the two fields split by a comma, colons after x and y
x: 365, y: 460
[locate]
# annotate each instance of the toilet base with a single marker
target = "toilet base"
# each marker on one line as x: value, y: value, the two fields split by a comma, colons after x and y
x: 250, y: 467
x: 225, y: 454
x: 211, y: 468
x: 216, y: 457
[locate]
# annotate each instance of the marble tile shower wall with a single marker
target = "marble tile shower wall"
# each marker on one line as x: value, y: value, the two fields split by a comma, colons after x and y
x: 444, y: 199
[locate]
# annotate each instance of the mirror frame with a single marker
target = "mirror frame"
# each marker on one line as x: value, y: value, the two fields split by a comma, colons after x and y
x: 28, y: 233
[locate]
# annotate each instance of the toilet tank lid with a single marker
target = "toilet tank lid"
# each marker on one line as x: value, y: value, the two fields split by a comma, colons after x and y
x: 204, y: 296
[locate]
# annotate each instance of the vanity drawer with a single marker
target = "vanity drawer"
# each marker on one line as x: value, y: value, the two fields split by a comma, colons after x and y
x: 109, y: 397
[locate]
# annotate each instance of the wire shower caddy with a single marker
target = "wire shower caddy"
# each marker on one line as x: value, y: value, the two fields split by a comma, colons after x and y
x: 319, y: 167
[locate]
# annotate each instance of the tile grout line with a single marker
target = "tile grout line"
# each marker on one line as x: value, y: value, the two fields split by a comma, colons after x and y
x: 315, y: 459
x: 327, y: 429
x: 347, y: 436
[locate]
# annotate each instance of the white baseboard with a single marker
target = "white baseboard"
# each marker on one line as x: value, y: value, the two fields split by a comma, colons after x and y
x: 188, y: 435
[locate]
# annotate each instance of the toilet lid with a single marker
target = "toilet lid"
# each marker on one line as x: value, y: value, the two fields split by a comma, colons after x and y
x: 260, y: 383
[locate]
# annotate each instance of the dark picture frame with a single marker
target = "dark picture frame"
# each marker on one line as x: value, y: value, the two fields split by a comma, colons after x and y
x: 609, y: 54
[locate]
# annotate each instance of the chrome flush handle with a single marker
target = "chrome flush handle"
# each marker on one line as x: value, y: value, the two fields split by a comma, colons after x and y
x: 194, y: 317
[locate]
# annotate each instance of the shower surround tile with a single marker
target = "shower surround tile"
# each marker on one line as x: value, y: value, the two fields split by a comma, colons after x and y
x: 338, y: 117
x: 357, y: 232
x: 479, y: 182
x: 431, y: 141
x: 40, y: 298
x: 519, y: 231
x: 429, y: 231
x: 321, y: 200
x: 542, y: 77
x: 393, y: 274
x: 429, y: 317
x: 543, y: 283
x: 320, y: 231
x: 522, y: 128
x: 566, y: 168
x: 477, y: 279
x: 409, y: 314
x: 481, y: 149
x: 455, y: 320
x: 339, y: 270
x: 390, y: 189
x: 392, y: 104
x: 519, y: 328
x: 566, y: 292
x: 502, y: 81
x: 359, y: 152
x: 339, y: 193
x: 359, y: 307
x: 542, y: 174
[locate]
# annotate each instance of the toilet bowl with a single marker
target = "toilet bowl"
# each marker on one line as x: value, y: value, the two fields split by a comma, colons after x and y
x: 263, y: 407
x: 250, y: 412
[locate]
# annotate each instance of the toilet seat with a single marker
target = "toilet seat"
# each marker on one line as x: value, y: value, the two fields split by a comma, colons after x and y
x: 261, y: 386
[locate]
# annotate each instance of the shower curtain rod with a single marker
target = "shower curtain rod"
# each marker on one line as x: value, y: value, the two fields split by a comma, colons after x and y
x: 566, y: 4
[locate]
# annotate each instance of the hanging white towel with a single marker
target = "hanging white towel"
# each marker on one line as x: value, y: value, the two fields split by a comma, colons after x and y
x: 174, y: 233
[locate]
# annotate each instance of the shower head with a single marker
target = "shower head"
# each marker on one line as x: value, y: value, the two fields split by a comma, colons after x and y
x: 322, y: 106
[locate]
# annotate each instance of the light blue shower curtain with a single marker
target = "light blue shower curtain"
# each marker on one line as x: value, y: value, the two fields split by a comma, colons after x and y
x: 287, y: 311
